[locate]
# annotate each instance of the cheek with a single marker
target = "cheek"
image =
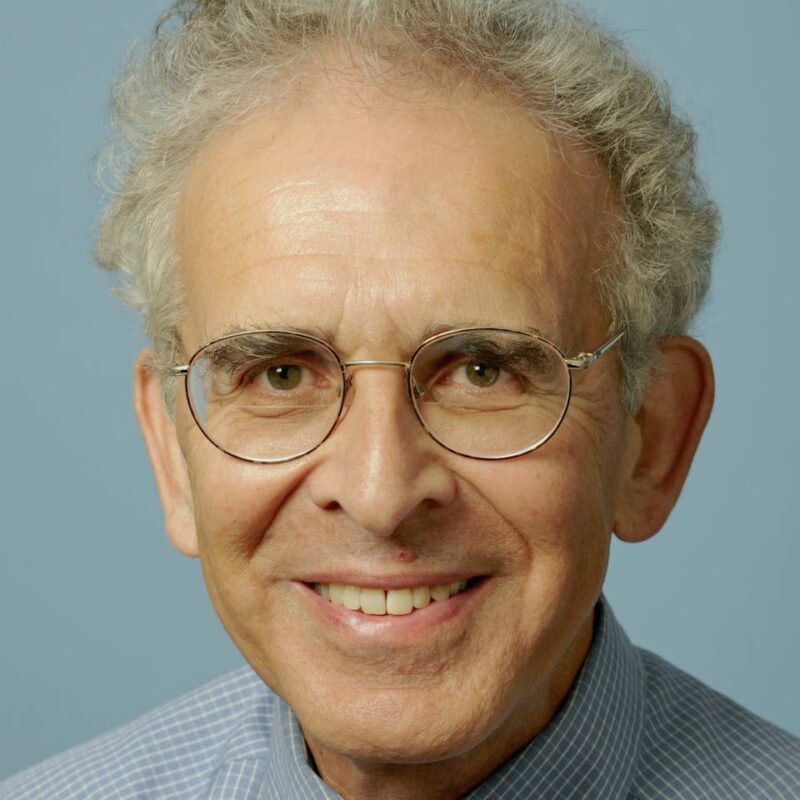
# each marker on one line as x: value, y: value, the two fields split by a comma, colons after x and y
x: 234, y: 502
x: 241, y: 556
x: 558, y: 508
x: 552, y: 495
x: 557, y: 503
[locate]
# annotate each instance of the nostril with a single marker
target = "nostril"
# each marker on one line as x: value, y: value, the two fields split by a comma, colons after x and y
x: 332, y: 506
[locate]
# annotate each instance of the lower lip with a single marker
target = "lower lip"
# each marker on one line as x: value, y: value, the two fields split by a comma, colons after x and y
x: 404, y: 628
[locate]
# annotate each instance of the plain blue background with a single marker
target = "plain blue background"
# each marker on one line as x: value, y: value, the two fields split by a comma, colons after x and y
x: 100, y: 620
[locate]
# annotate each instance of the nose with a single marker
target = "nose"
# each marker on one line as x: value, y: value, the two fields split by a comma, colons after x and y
x: 379, y: 466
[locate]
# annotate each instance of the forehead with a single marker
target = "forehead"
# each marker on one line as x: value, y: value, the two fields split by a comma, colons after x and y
x: 433, y: 208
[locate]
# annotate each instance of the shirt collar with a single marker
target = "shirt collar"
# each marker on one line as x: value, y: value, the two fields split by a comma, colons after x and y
x: 589, y: 749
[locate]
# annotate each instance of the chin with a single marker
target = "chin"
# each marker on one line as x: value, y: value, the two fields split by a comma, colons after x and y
x: 395, y: 726
x: 382, y: 742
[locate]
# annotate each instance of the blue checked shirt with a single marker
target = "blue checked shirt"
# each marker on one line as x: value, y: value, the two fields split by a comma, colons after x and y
x: 633, y: 727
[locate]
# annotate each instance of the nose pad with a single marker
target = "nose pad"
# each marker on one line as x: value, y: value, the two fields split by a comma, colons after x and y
x: 349, y: 390
x: 413, y: 392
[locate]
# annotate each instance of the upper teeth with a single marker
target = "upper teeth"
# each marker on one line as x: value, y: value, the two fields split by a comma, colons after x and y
x: 390, y: 601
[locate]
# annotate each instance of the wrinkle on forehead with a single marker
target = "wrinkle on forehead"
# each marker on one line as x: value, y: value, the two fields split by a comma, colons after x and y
x: 377, y: 183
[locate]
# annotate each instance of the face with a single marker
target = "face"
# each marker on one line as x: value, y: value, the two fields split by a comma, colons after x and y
x: 373, y: 217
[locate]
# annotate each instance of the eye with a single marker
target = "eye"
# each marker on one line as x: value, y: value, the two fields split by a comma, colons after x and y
x: 284, y: 376
x: 482, y: 375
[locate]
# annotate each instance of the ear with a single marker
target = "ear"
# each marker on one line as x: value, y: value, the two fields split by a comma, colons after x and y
x: 670, y: 422
x: 166, y: 457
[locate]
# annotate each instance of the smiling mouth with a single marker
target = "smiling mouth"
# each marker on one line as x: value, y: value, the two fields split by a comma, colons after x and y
x: 393, y: 602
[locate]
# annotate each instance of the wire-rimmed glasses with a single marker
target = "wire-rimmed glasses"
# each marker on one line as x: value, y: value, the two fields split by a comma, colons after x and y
x: 269, y: 396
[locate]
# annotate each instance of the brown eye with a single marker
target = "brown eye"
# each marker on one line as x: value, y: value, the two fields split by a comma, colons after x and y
x: 482, y: 375
x: 285, y: 376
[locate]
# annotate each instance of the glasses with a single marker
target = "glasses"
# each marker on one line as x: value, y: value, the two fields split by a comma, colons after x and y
x: 488, y: 393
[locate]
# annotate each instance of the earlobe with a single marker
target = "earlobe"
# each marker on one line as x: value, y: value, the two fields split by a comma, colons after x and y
x: 166, y: 458
x: 670, y: 423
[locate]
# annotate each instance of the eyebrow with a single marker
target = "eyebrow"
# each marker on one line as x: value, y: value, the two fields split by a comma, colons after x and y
x: 235, y: 351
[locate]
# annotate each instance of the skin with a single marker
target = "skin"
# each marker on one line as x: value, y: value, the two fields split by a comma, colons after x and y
x: 373, y: 215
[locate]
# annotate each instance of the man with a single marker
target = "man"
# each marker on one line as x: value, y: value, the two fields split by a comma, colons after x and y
x: 417, y: 277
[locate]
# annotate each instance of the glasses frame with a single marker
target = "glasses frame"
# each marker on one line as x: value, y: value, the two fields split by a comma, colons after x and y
x: 579, y: 362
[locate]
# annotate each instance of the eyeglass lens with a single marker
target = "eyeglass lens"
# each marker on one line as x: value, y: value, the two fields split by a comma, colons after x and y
x: 273, y: 396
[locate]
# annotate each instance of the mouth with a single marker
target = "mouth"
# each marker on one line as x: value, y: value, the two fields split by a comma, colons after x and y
x: 373, y: 601
x: 398, y: 615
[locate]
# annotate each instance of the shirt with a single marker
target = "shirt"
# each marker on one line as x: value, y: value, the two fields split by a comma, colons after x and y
x: 632, y: 727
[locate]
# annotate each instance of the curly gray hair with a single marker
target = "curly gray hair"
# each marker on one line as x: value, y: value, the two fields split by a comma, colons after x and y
x: 212, y: 62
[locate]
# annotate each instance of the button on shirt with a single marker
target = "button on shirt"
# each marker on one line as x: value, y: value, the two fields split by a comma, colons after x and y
x: 632, y: 727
